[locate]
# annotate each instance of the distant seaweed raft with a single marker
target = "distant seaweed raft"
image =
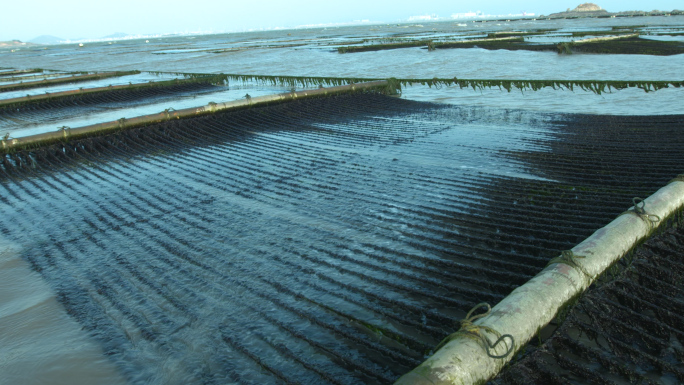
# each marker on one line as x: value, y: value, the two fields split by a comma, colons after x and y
x: 626, y: 41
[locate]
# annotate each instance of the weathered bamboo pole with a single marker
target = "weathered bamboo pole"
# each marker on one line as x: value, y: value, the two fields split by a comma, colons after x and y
x: 482, y: 40
x: 124, y: 123
x: 70, y: 79
x: 533, y: 305
x: 85, y: 91
x: 32, y: 77
x: 17, y: 72
x: 607, y: 38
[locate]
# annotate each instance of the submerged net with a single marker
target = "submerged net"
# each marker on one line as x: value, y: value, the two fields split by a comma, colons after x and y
x: 333, y: 240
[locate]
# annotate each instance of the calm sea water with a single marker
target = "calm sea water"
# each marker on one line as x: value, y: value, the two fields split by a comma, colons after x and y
x: 312, y: 52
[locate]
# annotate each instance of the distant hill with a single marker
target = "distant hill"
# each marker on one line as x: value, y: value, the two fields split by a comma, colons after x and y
x: 593, y: 10
x: 588, y: 7
x: 13, y: 43
x: 47, y: 39
x: 583, y: 10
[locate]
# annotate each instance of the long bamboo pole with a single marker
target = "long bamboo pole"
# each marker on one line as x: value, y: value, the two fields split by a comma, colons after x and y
x: 607, y: 38
x: 536, y: 303
x: 33, y: 77
x: 18, y: 72
x: 85, y: 91
x: 70, y: 79
x: 123, y: 123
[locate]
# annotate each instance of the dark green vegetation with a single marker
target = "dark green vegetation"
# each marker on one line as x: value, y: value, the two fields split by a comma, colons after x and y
x: 633, y: 46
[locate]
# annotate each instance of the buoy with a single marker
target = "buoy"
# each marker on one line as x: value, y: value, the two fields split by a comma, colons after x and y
x: 80, y: 44
x: 147, y: 41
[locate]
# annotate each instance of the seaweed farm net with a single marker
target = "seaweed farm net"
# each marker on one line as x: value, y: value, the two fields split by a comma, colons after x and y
x: 333, y: 240
x: 628, y: 330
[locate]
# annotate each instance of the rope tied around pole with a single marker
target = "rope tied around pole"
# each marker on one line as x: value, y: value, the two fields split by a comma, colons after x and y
x: 5, y: 139
x: 568, y: 257
x: 66, y: 131
x: 476, y: 333
x: 650, y: 219
x: 167, y: 111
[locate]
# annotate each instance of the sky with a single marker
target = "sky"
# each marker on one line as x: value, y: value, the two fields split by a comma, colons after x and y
x: 73, y: 19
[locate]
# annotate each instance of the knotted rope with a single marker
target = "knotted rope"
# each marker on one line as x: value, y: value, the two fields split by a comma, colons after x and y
x: 650, y: 219
x: 66, y: 131
x: 476, y: 332
x: 5, y: 139
x: 568, y: 257
x: 168, y: 112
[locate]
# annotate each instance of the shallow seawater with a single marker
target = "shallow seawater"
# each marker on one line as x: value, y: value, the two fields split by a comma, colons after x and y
x: 313, y: 52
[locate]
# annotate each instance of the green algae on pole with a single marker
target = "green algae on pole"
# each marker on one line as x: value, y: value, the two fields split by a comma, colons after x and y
x: 596, y: 86
x: 71, y: 79
x: 18, y: 72
x: 630, y: 44
x: 32, y: 99
x: 33, y: 77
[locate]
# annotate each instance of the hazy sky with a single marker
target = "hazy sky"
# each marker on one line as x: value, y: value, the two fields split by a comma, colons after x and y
x: 71, y: 19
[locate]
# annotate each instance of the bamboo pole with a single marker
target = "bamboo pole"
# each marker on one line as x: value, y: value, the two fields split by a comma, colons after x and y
x: 18, y: 72
x: 123, y: 123
x: 482, y: 40
x: 32, y: 77
x: 536, y: 303
x: 85, y: 91
x: 608, y: 38
x: 70, y: 79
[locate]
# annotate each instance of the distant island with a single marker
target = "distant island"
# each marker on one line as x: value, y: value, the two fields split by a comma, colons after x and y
x: 593, y: 10
x: 14, y: 43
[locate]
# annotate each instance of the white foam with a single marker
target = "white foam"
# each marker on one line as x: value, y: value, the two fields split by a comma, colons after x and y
x: 39, y: 342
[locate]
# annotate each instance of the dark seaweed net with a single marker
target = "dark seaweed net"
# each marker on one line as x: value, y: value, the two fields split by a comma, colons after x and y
x: 138, y: 234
